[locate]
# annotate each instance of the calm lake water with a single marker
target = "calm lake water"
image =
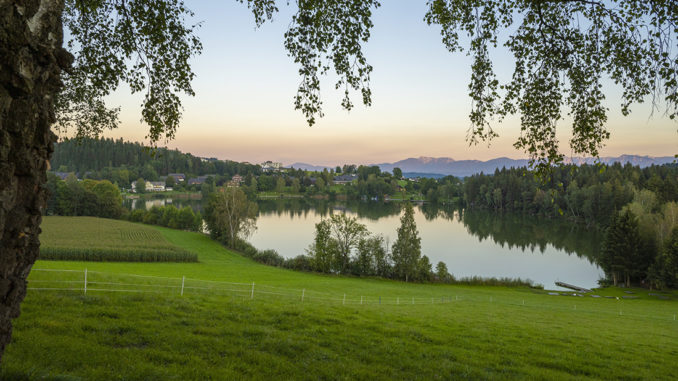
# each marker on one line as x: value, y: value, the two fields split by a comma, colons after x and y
x: 469, y: 242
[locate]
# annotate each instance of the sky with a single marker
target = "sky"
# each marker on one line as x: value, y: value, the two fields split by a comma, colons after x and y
x: 245, y: 83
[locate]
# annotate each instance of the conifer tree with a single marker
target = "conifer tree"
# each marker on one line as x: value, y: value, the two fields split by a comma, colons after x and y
x: 621, y: 247
x: 407, y: 247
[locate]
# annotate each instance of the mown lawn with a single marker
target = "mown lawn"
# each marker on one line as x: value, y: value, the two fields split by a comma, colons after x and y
x: 450, y: 332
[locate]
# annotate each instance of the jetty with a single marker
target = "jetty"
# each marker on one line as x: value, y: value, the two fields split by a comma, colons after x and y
x: 572, y: 287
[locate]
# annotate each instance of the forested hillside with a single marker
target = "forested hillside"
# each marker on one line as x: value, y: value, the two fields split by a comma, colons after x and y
x: 587, y: 194
x: 123, y: 162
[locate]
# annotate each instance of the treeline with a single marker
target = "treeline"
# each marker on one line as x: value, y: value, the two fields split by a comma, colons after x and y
x: 124, y: 162
x: 589, y: 194
x: 369, y: 183
x: 635, y: 207
x: 100, y: 198
x: 169, y: 216
x: 641, y: 244
x: 83, y: 198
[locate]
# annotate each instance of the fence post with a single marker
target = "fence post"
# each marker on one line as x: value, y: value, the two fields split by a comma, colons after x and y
x: 413, y: 300
x: 85, y: 280
x: 398, y: 302
x: 431, y: 300
x: 183, y: 279
x: 361, y: 299
x: 302, y: 295
x: 252, y: 295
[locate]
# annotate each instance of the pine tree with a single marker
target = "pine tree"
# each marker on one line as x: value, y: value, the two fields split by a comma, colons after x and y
x: 621, y: 247
x: 407, y: 247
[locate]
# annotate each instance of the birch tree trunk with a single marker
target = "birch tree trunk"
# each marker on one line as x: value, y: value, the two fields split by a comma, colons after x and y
x: 31, y: 60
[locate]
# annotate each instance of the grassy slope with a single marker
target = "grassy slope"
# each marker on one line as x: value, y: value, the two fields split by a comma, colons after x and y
x: 226, y: 336
x: 92, y: 232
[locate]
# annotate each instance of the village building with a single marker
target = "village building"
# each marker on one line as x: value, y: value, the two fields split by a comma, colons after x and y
x: 197, y: 180
x: 236, y: 180
x: 178, y: 177
x: 270, y: 166
x: 345, y: 179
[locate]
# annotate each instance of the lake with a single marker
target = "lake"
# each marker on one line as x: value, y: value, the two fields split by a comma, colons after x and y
x: 469, y: 242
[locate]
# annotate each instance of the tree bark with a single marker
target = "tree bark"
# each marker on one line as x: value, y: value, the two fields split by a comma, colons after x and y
x: 31, y: 60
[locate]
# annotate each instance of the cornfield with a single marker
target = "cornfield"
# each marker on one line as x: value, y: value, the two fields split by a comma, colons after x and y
x: 98, y: 239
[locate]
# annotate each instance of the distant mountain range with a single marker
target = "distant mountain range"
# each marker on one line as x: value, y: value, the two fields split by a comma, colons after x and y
x: 430, y: 166
x: 308, y: 167
x: 462, y: 168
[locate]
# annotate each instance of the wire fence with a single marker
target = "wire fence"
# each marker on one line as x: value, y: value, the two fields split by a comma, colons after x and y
x: 88, y: 282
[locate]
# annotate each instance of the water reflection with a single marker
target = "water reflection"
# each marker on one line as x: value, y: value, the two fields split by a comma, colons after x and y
x: 532, y: 233
x: 148, y: 203
x: 301, y: 207
x: 469, y: 242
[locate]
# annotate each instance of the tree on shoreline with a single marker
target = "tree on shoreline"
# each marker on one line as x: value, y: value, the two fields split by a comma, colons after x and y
x: 230, y: 216
x: 406, y: 251
x: 347, y: 232
x: 621, y: 247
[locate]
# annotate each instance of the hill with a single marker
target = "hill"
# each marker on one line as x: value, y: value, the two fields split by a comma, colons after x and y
x: 308, y: 167
x: 307, y: 326
x: 463, y: 168
x: 123, y: 162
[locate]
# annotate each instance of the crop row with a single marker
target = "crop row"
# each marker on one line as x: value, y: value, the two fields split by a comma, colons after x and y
x: 139, y: 235
x: 117, y: 254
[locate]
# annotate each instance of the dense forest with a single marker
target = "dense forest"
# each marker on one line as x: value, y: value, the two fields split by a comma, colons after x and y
x: 124, y: 162
x: 588, y: 194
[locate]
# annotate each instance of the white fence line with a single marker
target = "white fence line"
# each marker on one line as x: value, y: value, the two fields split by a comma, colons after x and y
x: 303, y: 295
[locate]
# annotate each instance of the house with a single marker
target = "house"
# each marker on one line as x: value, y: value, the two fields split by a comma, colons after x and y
x: 178, y: 177
x: 345, y: 179
x: 63, y: 175
x: 235, y: 181
x: 270, y: 166
x: 151, y: 186
x: 197, y: 180
x: 155, y: 186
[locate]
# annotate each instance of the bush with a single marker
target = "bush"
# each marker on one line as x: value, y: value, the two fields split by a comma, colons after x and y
x: 299, y: 263
x: 136, y: 215
x: 269, y: 257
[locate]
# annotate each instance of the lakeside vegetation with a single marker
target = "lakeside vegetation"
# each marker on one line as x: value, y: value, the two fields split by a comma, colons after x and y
x: 477, y: 332
x: 591, y: 196
x: 98, y: 239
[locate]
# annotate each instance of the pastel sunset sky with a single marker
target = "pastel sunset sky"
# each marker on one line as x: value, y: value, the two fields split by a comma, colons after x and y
x: 243, y: 109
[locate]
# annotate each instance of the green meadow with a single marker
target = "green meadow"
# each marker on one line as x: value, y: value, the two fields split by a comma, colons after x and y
x: 201, y: 321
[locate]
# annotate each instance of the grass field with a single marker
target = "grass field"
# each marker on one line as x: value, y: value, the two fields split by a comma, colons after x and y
x: 98, y: 239
x: 220, y: 332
